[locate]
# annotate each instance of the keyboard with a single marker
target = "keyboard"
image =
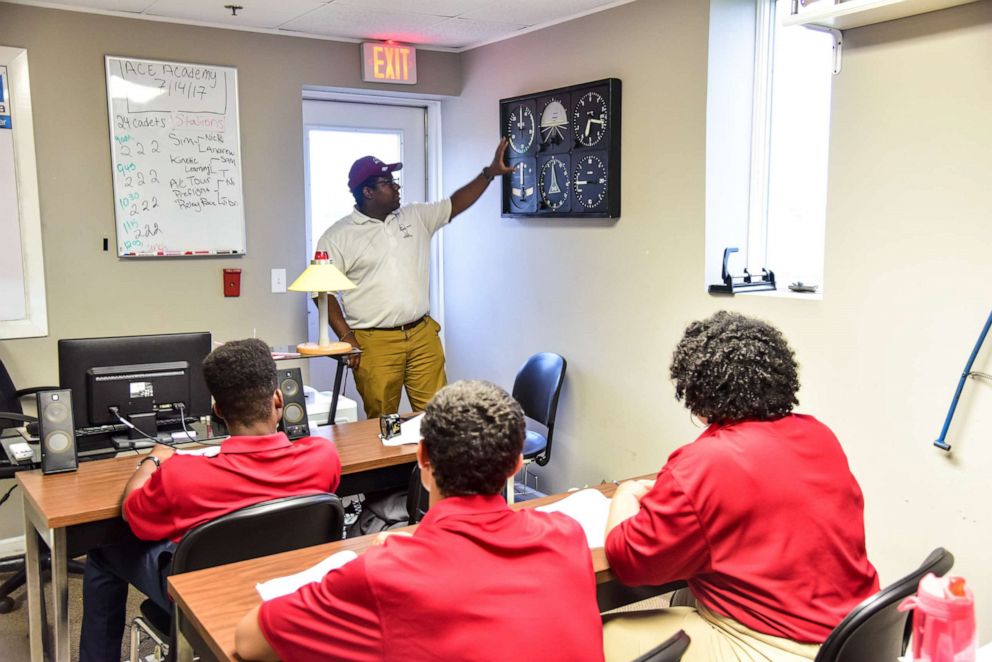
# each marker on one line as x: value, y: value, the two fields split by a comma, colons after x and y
x: 176, y: 421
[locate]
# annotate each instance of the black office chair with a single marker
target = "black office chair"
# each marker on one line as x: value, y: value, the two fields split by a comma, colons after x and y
x: 417, y: 498
x: 11, y: 413
x: 537, y: 387
x: 875, y: 629
x: 262, y: 529
x: 670, y: 650
x: 11, y: 416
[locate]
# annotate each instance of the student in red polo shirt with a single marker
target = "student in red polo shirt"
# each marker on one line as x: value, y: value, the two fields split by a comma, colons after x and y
x: 170, y: 494
x: 760, y: 514
x: 476, y: 581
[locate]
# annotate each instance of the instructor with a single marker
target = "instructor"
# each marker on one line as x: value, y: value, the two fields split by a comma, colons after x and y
x: 385, y: 250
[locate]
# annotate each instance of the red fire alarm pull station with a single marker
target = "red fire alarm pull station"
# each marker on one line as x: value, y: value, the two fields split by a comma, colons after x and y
x: 232, y: 282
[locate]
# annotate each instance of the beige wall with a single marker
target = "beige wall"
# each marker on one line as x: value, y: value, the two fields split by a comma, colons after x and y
x: 908, y: 244
x: 94, y: 293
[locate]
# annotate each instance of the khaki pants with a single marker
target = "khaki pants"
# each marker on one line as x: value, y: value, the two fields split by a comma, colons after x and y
x: 715, y: 638
x: 394, y: 359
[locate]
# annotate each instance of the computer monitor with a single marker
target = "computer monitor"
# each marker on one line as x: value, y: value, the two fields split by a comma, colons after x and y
x: 134, y: 377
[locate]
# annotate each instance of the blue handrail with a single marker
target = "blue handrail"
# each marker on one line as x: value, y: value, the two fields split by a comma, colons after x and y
x: 940, y: 443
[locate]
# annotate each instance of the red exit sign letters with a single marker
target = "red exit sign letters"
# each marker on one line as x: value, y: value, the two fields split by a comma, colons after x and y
x: 389, y: 63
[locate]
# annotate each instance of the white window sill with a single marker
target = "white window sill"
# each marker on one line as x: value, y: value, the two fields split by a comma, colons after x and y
x: 784, y: 293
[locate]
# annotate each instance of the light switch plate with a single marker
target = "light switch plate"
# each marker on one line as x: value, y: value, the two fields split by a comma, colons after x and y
x: 278, y: 280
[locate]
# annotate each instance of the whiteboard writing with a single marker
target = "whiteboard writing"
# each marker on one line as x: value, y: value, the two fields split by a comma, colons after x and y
x: 176, y: 158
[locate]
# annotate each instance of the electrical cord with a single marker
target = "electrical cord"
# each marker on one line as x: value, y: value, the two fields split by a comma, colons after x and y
x: 130, y: 425
x: 6, y: 496
x: 182, y: 417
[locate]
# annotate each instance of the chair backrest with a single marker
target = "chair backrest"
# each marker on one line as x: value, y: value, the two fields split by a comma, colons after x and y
x: 875, y: 629
x: 265, y: 528
x: 670, y: 650
x: 417, y: 498
x: 537, y: 387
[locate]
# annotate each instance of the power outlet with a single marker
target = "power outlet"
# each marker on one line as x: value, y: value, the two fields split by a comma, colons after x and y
x: 278, y: 280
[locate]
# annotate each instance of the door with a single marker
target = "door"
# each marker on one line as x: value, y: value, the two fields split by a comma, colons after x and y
x: 336, y: 133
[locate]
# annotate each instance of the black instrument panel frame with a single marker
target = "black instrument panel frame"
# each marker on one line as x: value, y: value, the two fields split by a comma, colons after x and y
x: 565, y: 142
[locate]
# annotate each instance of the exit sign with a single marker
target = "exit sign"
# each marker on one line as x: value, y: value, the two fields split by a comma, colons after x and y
x: 389, y: 63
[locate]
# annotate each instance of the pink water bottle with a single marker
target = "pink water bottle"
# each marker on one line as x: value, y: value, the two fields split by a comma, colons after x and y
x: 943, y: 620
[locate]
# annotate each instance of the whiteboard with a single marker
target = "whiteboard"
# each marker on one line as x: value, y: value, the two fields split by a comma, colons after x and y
x: 23, y: 312
x: 176, y: 153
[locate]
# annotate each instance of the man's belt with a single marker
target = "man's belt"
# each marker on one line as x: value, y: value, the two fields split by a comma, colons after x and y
x: 401, y: 327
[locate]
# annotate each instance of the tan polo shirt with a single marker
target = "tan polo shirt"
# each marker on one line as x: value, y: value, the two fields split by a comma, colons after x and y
x: 388, y: 260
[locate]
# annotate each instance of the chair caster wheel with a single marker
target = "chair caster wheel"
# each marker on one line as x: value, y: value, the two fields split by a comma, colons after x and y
x: 6, y: 605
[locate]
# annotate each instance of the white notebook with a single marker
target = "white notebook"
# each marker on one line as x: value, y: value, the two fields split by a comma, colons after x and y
x: 589, y: 508
x: 280, y: 586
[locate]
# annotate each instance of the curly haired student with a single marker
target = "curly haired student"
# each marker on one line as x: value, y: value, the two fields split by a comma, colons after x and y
x: 760, y: 514
x: 476, y: 580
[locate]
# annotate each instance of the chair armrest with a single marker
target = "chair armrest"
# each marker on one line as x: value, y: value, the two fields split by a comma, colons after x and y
x: 24, y: 392
x: 11, y: 416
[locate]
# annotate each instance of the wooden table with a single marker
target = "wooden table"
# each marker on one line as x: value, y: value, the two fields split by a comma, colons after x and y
x: 215, y: 599
x: 77, y: 511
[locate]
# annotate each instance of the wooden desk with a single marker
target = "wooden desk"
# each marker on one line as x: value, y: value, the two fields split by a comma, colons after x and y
x: 215, y: 599
x: 77, y: 511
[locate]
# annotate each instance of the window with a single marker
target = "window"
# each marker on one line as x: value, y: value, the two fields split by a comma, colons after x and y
x: 767, y: 186
x: 330, y: 152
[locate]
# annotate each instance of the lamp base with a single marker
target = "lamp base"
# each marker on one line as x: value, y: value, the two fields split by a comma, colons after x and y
x: 314, y: 349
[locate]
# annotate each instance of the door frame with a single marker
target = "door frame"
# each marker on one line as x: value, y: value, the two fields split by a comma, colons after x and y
x: 432, y: 144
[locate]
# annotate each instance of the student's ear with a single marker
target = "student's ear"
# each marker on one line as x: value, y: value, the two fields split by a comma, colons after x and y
x: 426, y: 470
x: 422, y: 460
x: 277, y: 402
x: 217, y: 412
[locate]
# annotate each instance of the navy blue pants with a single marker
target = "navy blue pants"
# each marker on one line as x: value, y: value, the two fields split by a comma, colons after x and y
x: 109, y: 571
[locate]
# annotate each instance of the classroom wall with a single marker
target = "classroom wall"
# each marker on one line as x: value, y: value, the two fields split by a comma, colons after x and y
x: 94, y: 293
x: 907, y: 249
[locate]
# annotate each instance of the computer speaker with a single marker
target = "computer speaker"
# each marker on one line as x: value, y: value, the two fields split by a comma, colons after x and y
x: 57, y: 432
x: 294, y: 405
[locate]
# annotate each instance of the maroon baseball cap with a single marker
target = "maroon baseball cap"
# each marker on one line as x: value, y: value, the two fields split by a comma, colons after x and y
x: 366, y: 167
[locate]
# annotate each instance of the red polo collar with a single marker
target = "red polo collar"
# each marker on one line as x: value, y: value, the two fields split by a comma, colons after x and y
x: 259, y: 444
x: 476, y: 504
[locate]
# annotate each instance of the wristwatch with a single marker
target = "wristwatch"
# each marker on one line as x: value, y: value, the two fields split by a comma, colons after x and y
x: 488, y: 178
x: 146, y: 458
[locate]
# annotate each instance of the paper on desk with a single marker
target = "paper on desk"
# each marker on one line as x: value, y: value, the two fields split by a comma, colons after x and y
x: 206, y: 451
x: 280, y: 586
x: 589, y: 508
x: 409, y: 433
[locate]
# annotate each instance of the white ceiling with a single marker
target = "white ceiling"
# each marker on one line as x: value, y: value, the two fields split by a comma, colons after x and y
x: 455, y: 25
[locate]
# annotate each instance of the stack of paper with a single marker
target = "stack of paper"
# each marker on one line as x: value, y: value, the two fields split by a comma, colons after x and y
x: 280, y: 586
x: 589, y: 508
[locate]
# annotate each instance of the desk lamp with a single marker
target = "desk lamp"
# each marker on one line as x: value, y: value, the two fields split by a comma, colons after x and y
x: 322, y: 277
